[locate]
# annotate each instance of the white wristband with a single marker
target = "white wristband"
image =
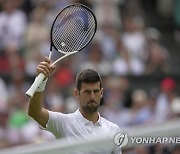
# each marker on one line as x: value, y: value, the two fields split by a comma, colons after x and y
x: 41, y: 86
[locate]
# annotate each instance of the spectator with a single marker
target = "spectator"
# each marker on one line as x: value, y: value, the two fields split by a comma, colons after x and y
x: 133, y: 39
x: 4, y: 142
x: 176, y: 149
x: 107, y: 12
x: 115, y: 96
x: 158, y: 59
x: 107, y: 36
x: 12, y: 25
x: 64, y: 76
x: 36, y: 43
x: 54, y: 100
x: 164, y: 99
x: 11, y: 60
x: 141, y: 150
x: 175, y: 107
x: 140, y: 112
x: 4, y: 93
x: 96, y: 60
x: 122, y: 64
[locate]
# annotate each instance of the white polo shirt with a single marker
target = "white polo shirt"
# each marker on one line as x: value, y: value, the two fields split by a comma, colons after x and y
x: 75, y: 125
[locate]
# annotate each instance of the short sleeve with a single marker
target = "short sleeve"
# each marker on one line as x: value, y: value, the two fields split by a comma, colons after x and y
x: 116, y: 130
x: 55, y: 123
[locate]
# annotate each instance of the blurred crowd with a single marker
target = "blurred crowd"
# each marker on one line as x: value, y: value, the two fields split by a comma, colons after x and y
x: 123, y: 45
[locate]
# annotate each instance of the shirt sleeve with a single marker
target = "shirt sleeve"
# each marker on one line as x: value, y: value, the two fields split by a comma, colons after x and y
x: 116, y: 150
x: 55, y: 123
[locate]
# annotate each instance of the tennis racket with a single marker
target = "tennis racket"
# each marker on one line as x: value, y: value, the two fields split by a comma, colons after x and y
x: 72, y: 30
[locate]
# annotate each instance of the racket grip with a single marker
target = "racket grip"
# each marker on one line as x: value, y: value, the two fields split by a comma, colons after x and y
x: 35, y: 85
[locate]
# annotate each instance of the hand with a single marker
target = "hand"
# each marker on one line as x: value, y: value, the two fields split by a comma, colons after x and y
x: 45, y: 67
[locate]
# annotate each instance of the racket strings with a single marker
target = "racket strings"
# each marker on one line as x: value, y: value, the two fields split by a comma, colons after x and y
x: 88, y: 34
x: 83, y: 41
x: 69, y: 36
x: 80, y: 40
x: 70, y: 26
x: 73, y: 29
x: 60, y: 18
x: 76, y: 38
x: 59, y: 28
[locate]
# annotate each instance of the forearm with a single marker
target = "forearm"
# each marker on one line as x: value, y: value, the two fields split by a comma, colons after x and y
x: 36, y: 110
x: 35, y: 104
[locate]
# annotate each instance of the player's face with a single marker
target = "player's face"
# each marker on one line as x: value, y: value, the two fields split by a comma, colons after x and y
x: 90, y: 96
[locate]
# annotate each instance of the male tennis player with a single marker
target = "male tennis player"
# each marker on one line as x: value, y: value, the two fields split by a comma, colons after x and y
x: 83, y: 122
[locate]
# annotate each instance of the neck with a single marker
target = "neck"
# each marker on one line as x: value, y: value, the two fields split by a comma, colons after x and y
x: 90, y: 116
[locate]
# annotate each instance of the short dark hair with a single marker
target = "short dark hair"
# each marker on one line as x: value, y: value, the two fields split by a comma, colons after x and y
x: 87, y: 76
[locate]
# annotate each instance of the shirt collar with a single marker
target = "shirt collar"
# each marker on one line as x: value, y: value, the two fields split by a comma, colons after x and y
x: 80, y: 117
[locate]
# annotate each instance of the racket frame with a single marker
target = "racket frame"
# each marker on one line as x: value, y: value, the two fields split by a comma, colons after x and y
x: 41, y: 76
x: 74, y: 4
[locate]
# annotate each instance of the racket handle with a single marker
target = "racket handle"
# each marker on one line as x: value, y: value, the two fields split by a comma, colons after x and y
x: 35, y: 85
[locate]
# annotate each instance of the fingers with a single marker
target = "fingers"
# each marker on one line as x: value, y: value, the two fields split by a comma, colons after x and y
x: 53, y: 67
x: 47, y: 60
x: 45, y: 67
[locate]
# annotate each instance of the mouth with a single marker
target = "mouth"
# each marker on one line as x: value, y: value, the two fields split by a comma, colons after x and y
x: 92, y: 102
x: 91, y: 106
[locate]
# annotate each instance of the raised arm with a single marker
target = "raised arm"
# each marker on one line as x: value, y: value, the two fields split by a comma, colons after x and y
x: 35, y: 108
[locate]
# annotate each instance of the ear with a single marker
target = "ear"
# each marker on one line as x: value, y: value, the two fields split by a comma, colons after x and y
x: 102, y: 92
x: 76, y: 93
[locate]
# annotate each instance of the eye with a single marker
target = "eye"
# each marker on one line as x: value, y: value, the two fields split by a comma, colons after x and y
x: 96, y: 91
x: 87, y: 91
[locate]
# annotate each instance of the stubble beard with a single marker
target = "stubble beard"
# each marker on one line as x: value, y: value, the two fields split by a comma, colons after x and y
x: 90, y: 108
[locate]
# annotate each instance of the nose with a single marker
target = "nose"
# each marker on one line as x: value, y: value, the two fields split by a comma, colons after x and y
x: 92, y: 94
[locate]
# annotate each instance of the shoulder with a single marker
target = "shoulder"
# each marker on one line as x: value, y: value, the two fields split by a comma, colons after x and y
x: 60, y: 116
x: 110, y: 124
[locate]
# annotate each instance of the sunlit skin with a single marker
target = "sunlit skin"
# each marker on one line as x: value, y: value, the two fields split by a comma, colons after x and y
x: 89, y: 98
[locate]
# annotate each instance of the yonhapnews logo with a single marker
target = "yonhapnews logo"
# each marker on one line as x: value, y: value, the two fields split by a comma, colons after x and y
x: 122, y: 139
